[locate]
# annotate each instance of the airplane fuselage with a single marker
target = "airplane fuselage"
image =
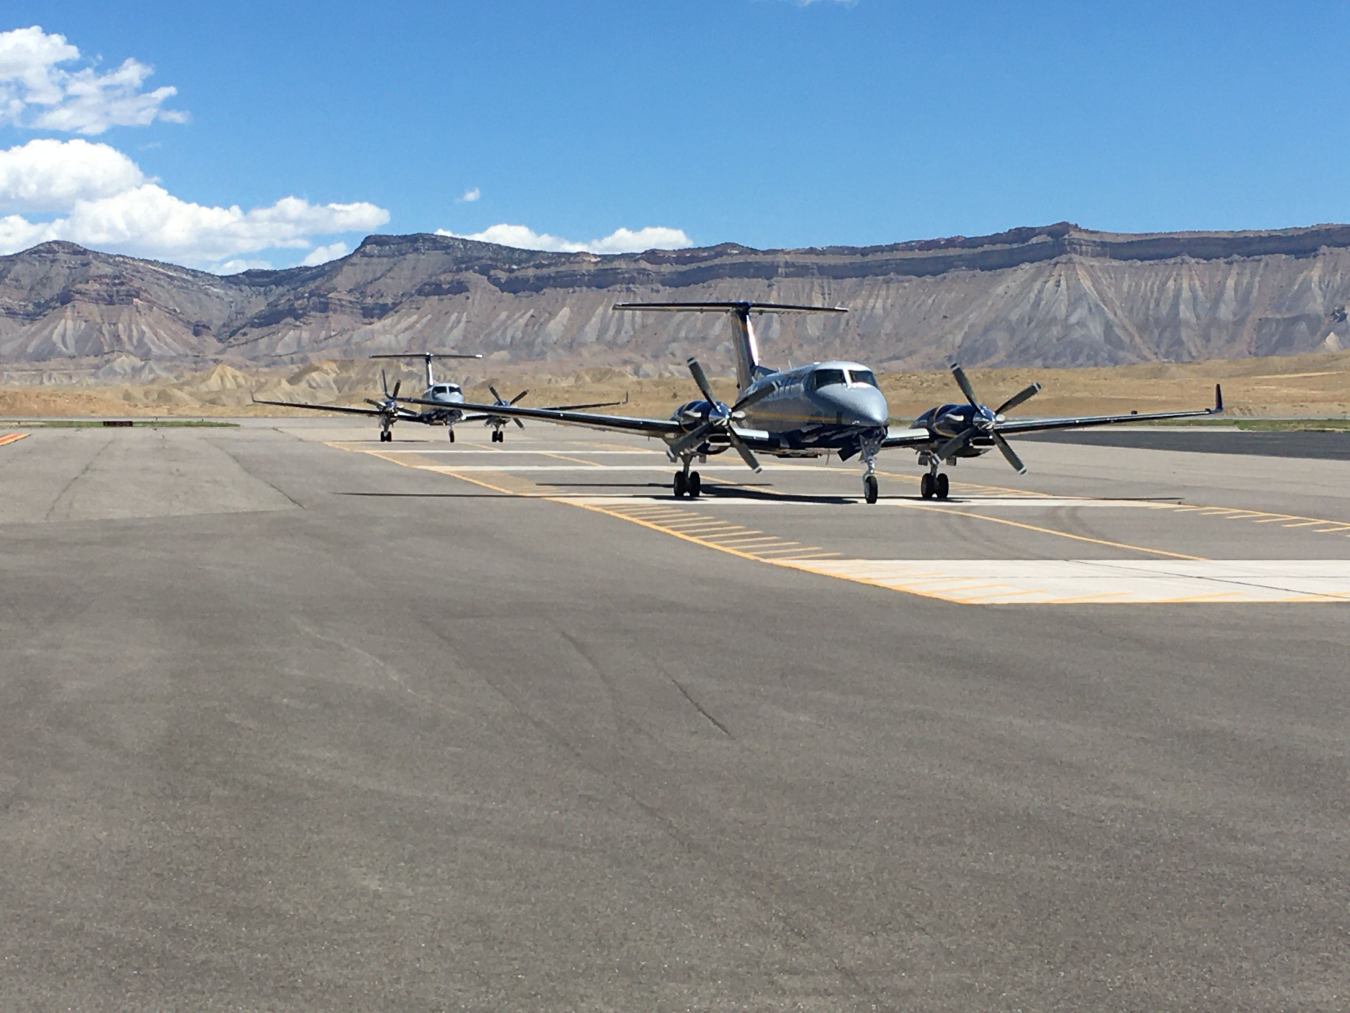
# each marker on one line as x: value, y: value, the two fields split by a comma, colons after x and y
x: 812, y: 410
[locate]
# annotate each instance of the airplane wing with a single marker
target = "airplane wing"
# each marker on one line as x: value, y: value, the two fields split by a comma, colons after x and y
x: 1040, y: 425
x: 332, y: 408
x: 620, y: 423
x: 555, y: 408
x: 907, y: 438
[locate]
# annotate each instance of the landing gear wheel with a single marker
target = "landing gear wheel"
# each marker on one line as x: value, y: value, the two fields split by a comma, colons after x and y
x: 926, y: 486
x: 681, y: 485
x: 452, y: 436
x: 385, y: 437
x: 496, y: 436
x: 942, y: 486
x: 870, y: 488
x: 694, y: 485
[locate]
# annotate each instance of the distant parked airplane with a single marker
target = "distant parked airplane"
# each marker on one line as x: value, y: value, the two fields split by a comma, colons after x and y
x: 445, y: 399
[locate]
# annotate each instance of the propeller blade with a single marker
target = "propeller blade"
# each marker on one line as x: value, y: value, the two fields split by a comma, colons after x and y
x: 692, y: 439
x: 701, y: 380
x: 754, y: 397
x: 518, y: 396
x: 1008, y: 452
x: 952, y: 446
x: 397, y: 385
x: 744, y: 451
x: 519, y: 423
x: 496, y: 398
x: 964, y: 384
x: 384, y: 383
x: 371, y: 400
x: 1018, y: 398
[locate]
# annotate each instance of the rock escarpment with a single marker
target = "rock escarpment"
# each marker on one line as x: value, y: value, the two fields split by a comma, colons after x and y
x: 1050, y: 296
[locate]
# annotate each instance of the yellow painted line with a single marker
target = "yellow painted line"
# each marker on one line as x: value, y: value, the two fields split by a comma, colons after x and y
x: 1302, y: 524
x: 11, y: 438
x: 564, y: 457
x: 1062, y: 534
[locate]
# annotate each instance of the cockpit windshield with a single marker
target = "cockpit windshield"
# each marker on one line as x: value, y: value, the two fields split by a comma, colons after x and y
x: 826, y: 377
x: 862, y: 376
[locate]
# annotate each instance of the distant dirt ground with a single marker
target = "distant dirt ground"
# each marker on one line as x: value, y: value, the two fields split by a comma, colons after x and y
x: 1305, y: 386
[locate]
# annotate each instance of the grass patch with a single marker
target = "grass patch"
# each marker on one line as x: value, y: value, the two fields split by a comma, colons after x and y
x: 138, y: 423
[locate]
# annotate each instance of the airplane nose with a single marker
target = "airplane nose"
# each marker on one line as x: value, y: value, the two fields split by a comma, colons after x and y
x: 862, y: 406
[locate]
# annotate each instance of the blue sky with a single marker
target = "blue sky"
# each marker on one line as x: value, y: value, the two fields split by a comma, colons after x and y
x: 764, y: 122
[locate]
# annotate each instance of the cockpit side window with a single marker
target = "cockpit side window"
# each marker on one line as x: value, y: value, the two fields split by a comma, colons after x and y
x: 825, y: 378
x: 862, y: 376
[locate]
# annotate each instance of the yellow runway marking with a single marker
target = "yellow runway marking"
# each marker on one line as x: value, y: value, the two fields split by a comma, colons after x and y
x: 1024, y: 582
x: 1062, y: 534
x: 11, y: 438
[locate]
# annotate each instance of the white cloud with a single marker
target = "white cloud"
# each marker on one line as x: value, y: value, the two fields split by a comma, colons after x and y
x: 36, y: 92
x: 618, y: 241
x: 108, y: 203
x: 323, y: 254
x: 47, y: 175
x: 470, y: 196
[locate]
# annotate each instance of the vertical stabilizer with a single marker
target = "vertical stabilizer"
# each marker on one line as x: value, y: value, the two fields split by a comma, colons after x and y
x: 748, y: 368
x: 427, y: 357
x: 747, y: 347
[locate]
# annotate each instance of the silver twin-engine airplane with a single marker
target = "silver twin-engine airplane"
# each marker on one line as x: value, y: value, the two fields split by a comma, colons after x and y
x: 809, y: 411
x: 444, y: 401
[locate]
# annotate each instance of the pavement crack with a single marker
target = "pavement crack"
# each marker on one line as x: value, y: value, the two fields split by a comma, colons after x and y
x: 82, y: 472
x: 700, y: 708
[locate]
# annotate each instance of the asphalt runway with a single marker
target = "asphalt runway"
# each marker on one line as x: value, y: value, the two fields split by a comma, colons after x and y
x: 295, y: 720
x: 1333, y: 446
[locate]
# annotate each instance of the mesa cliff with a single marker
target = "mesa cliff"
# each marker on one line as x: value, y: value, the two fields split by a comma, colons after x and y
x: 1048, y: 296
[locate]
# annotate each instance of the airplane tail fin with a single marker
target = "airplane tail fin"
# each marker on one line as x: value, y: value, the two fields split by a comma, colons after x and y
x: 746, y: 344
x: 427, y: 356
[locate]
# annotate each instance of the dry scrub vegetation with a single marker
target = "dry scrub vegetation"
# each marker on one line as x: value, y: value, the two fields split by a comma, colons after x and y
x: 1304, y: 386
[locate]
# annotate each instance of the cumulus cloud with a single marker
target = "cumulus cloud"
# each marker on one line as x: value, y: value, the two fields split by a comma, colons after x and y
x: 237, y: 266
x: 47, y: 175
x: 104, y: 200
x: 36, y: 91
x: 618, y: 241
x: 470, y: 196
x: 323, y: 254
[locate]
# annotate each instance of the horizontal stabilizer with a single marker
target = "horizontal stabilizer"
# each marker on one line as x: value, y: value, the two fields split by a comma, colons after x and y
x: 726, y: 307
x: 427, y: 355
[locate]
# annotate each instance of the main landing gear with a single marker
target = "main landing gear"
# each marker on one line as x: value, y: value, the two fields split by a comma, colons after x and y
x: 688, y: 483
x: 386, y: 436
x: 934, y: 484
x: 452, y: 434
x: 498, y: 436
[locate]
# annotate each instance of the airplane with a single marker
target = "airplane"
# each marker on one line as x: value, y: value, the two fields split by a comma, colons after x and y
x: 444, y: 398
x: 813, y: 410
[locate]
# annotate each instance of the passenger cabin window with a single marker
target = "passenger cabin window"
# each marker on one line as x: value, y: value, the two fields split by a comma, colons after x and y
x: 825, y: 378
x: 862, y: 376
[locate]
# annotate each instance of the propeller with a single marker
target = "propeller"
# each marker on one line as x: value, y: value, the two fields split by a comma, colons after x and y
x: 507, y: 404
x: 720, y: 417
x: 986, y: 422
x: 390, y: 402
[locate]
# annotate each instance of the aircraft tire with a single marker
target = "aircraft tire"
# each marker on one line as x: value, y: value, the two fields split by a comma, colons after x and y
x: 680, y: 486
x: 943, y: 487
x: 452, y: 434
x: 695, y: 484
x: 926, y: 486
x: 870, y: 488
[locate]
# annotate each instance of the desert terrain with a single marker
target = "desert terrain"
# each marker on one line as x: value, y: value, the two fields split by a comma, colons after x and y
x: 1300, y: 386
